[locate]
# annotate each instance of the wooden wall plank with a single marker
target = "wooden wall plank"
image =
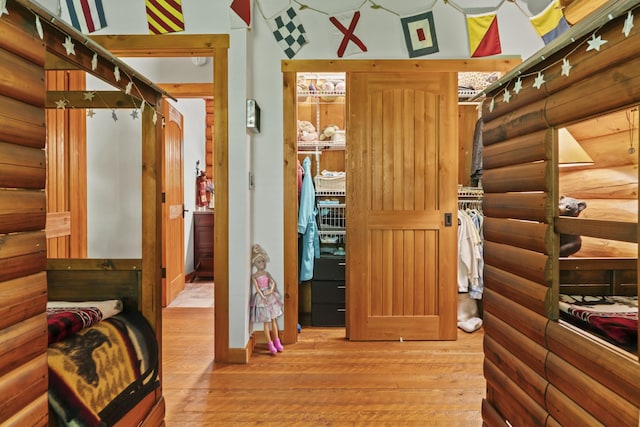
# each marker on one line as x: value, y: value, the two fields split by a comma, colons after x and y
x: 58, y: 224
x: 614, y: 370
x: 530, y: 177
x: 22, y: 342
x: 520, y: 409
x: 532, y: 295
x: 530, y: 206
x: 22, y: 167
x: 523, y: 320
x: 18, y: 35
x: 533, y: 236
x: 22, y: 298
x: 531, y: 382
x: 490, y: 416
x: 21, y: 79
x: 21, y: 123
x: 601, y: 402
x: 522, y: 149
x: 34, y: 414
x: 566, y: 411
x: 528, y: 351
x: 611, y: 230
x: 23, y: 385
x: 530, y: 265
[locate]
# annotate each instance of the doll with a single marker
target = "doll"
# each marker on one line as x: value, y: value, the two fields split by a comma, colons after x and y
x: 266, y: 302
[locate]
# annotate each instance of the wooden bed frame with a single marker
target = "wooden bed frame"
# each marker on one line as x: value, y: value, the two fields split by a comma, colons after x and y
x: 32, y: 43
x: 102, y: 279
x: 599, y: 276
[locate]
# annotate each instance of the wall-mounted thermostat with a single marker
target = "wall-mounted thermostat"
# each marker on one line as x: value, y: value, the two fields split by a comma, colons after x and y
x: 253, y: 116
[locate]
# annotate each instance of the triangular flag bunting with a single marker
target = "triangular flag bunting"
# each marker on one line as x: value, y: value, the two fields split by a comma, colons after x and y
x: 164, y: 16
x: 288, y: 31
x: 343, y: 33
x: 550, y: 23
x: 484, y: 38
x: 86, y: 16
x: 420, y: 34
x: 240, y: 13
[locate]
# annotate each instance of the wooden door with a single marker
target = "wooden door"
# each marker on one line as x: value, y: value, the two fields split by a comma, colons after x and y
x: 402, y: 206
x: 172, y: 208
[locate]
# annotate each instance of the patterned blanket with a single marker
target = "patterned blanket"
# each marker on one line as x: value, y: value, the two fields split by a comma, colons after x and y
x: 98, y: 374
x: 66, y: 318
x: 615, y: 318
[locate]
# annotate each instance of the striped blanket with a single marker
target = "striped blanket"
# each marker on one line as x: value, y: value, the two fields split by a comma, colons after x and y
x: 99, y: 373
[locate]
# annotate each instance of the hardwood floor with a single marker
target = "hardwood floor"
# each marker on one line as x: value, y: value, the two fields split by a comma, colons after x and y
x: 321, y: 380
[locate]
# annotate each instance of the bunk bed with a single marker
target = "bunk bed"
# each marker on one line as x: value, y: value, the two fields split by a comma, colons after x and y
x: 33, y: 41
x: 538, y: 364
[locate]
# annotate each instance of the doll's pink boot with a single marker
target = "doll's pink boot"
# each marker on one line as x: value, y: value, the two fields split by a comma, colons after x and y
x: 277, y: 344
x: 272, y: 349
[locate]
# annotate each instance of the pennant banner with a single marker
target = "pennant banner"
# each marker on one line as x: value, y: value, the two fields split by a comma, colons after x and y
x: 288, y: 31
x: 164, y: 16
x: 240, y: 14
x: 86, y: 16
x: 420, y: 34
x: 550, y: 23
x: 484, y: 38
x: 345, y: 26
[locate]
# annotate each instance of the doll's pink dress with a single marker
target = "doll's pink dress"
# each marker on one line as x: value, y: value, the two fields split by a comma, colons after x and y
x: 267, y: 308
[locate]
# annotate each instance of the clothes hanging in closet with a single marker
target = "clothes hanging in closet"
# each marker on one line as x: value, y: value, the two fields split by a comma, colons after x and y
x: 307, y: 225
x: 470, y: 254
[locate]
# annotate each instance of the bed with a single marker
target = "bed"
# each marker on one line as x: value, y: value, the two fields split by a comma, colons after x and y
x: 102, y: 352
x: 599, y: 295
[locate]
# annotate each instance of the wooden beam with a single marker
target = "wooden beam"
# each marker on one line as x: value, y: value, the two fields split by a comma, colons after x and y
x: 154, y: 46
x: 500, y: 64
x: 188, y: 90
x: 576, y: 10
x: 610, y: 230
x: 102, y: 99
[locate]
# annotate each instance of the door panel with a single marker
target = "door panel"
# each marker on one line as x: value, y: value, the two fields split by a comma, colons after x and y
x: 402, y: 178
x: 172, y: 208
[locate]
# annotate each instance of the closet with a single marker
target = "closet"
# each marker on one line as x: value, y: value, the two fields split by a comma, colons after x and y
x: 321, y: 140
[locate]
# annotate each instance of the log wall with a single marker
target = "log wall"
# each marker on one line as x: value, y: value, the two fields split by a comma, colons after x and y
x: 537, y: 370
x: 23, y: 285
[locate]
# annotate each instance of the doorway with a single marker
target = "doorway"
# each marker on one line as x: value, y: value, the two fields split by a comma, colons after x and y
x: 446, y: 202
x: 214, y: 47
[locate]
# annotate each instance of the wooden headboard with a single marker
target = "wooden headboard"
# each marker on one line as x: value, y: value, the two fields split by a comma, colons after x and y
x: 599, y: 276
x: 70, y: 279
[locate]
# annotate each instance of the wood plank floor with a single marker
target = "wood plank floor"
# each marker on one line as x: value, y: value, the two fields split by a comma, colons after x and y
x: 321, y: 380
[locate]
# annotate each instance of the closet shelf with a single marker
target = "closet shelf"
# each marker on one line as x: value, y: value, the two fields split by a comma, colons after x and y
x: 320, y: 145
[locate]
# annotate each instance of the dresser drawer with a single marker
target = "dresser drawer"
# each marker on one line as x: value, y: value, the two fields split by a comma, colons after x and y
x: 329, y: 268
x: 328, y: 291
x: 327, y: 314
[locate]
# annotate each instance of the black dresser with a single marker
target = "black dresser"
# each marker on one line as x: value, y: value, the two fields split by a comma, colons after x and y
x: 328, y: 292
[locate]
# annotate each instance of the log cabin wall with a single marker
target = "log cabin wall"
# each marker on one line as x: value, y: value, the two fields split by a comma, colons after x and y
x: 538, y: 371
x: 23, y: 286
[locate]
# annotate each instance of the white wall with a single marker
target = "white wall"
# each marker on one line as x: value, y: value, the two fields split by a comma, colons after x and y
x: 255, y: 72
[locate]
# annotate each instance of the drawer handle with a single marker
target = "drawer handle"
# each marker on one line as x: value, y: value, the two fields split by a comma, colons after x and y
x: 341, y: 309
x: 341, y: 287
x: 342, y: 264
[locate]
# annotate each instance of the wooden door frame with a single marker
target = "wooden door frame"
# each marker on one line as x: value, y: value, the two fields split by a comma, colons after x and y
x: 289, y: 69
x: 216, y: 47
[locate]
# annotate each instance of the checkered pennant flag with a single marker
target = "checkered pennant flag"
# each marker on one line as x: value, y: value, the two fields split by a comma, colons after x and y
x: 288, y: 31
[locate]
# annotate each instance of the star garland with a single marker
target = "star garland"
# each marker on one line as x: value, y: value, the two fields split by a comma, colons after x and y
x: 69, y: 46
x: 594, y: 43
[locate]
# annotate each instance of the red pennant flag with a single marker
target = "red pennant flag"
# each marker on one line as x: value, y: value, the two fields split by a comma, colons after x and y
x: 242, y: 10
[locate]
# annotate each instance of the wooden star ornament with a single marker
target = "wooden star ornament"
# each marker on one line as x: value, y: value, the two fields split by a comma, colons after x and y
x: 134, y: 114
x: 628, y: 24
x: 69, y: 46
x: 61, y: 104
x: 88, y: 96
x: 517, y: 87
x: 90, y: 113
x: 507, y: 96
x: 566, y: 67
x: 595, y: 43
x: 3, y: 8
x: 539, y: 81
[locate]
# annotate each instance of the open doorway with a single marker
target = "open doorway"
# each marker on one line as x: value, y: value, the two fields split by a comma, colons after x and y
x: 442, y: 200
x: 201, y: 46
